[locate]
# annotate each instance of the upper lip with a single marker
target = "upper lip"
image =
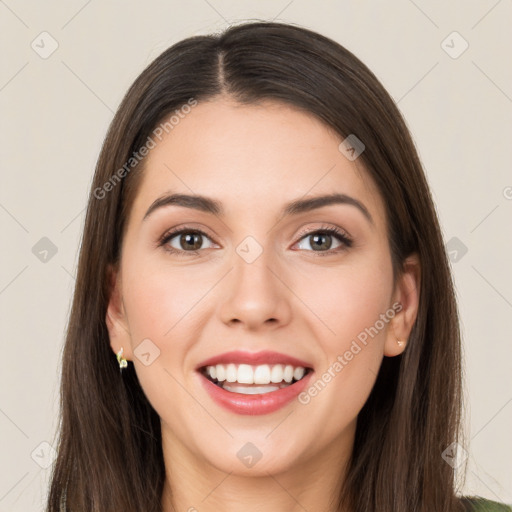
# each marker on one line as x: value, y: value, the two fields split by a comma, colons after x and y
x: 253, y: 358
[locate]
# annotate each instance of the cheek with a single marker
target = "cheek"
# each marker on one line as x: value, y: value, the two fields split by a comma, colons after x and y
x: 348, y: 303
x: 348, y: 298
x: 160, y: 299
x: 162, y: 304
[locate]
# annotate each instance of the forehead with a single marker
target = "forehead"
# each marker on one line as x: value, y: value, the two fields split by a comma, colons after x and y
x: 254, y: 157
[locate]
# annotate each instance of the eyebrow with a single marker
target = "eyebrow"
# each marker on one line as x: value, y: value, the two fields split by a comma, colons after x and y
x: 208, y: 205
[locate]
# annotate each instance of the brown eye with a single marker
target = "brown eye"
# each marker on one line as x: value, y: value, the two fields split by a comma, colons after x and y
x: 185, y: 240
x: 322, y: 240
x: 191, y: 241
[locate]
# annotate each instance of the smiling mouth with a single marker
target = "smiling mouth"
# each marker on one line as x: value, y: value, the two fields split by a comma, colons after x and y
x: 251, y: 380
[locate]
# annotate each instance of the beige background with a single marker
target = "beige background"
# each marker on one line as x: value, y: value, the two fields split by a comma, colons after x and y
x: 55, y: 112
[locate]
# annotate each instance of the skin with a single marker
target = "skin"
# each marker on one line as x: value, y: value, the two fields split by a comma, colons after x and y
x: 291, y: 299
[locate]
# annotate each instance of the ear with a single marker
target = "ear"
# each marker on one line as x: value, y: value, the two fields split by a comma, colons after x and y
x: 406, y: 297
x: 115, y: 318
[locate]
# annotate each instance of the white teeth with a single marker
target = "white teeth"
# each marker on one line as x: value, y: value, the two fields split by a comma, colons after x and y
x: 221, y: 372
x: 245, y: 374
x: 231, y: 373
x: 261, y: 374
x: 298, y: 373
x: 288, y: 373
x: 255, y: 390
x: 276, y: 374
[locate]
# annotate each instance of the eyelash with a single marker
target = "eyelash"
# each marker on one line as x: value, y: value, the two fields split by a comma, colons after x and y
x: 335, y: 232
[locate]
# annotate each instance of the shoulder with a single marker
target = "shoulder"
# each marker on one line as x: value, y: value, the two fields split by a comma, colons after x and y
x: 477, y: 504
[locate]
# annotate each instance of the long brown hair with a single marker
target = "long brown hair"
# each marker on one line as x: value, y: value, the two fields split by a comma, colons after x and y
x: 109, y: 453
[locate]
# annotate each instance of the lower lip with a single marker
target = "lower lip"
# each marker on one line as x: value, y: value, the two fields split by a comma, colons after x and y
x: 254, y: 404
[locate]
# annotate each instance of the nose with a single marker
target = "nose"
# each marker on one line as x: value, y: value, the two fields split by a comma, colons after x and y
x: 256, y: 295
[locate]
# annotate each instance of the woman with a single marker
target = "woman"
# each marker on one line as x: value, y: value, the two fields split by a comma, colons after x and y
x: 264, y: 317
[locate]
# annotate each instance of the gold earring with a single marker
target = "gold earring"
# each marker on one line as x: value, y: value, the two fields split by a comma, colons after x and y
x: 123, y: 363
x: 400, y: 343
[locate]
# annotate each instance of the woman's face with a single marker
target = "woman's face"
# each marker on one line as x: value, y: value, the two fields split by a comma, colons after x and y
x: 261, y: 278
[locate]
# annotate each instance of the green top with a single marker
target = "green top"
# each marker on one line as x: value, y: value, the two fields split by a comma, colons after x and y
x: 477, y: 504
